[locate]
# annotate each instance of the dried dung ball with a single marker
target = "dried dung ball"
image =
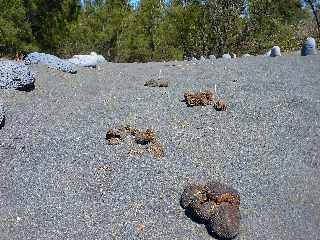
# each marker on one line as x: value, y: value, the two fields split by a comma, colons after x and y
x: 115, y: 135
x: 220, y: 193
x: 193, y: 195
x: 198, y: 98
x: 156, y: 149
x: 203, y: 212
x: 225, y: 221
x: 146, y: 137
x: 220, y: 105
x: 156, y: 83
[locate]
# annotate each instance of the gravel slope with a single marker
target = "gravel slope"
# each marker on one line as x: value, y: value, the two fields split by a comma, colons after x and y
x: 60, y: 180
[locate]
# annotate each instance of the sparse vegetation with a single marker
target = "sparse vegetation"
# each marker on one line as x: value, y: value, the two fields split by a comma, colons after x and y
x: 154, y: 30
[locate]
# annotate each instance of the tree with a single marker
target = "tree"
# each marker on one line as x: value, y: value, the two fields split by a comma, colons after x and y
x: 315, y: 5
x: 274, y: 22
x: 15, y: 30
x: 49, y: 20
x: 226, y: 24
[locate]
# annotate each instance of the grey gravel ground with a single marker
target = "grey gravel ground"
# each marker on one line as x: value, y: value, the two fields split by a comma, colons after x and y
x: 60, y: 180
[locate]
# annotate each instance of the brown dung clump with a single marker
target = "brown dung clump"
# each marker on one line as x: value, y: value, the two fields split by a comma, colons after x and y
x: 198, y: 98
x: 214, y: 204
x: 203, y: 99
x: 156, y: 83
x: 146, y: 138
x: 220, y: 105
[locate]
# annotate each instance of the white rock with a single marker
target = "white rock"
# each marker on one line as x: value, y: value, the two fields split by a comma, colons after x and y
x: 226, y: 56
x: 91, y: 60
x: 309, y: 47
x: 267, y: 54
x: 275, y: 52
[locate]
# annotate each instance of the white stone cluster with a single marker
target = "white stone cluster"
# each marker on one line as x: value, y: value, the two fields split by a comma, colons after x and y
x: 51, y: 61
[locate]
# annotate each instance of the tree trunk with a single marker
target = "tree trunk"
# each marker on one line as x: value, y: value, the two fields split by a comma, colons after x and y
x: 314, y: 10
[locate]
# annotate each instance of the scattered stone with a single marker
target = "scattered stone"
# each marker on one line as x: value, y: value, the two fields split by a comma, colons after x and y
x: 246, y: 55
x: 225, y: 221
x: 216, y: 205
x: 275, y: 52
x: 156, y: 83
x: 267, y: 54
x: 146, y: 138
x: 212, y: 57
x: 91, y: 60
x: 202, y: 58
x: 51, y: 61
x: 220, y: 105
x: 309, y: 47
x: 198, y: 98
x: 226, y: 56
x: 233, y: 55
x: 100, y: 58
x: 14, y: 75
x: 2, y: 117
x: 84, y: 61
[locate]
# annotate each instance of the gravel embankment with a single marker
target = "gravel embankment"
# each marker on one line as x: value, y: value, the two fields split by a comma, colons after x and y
x: 60, y: 180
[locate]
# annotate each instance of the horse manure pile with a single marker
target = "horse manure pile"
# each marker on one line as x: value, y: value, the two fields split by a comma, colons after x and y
x: 198, y: 98
x: 146, y: 138
x: 215, y: 204
x: 204, y: 98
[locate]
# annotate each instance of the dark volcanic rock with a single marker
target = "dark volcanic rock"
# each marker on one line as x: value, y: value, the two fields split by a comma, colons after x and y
x: 14, y: 75
x: 2, y: 117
